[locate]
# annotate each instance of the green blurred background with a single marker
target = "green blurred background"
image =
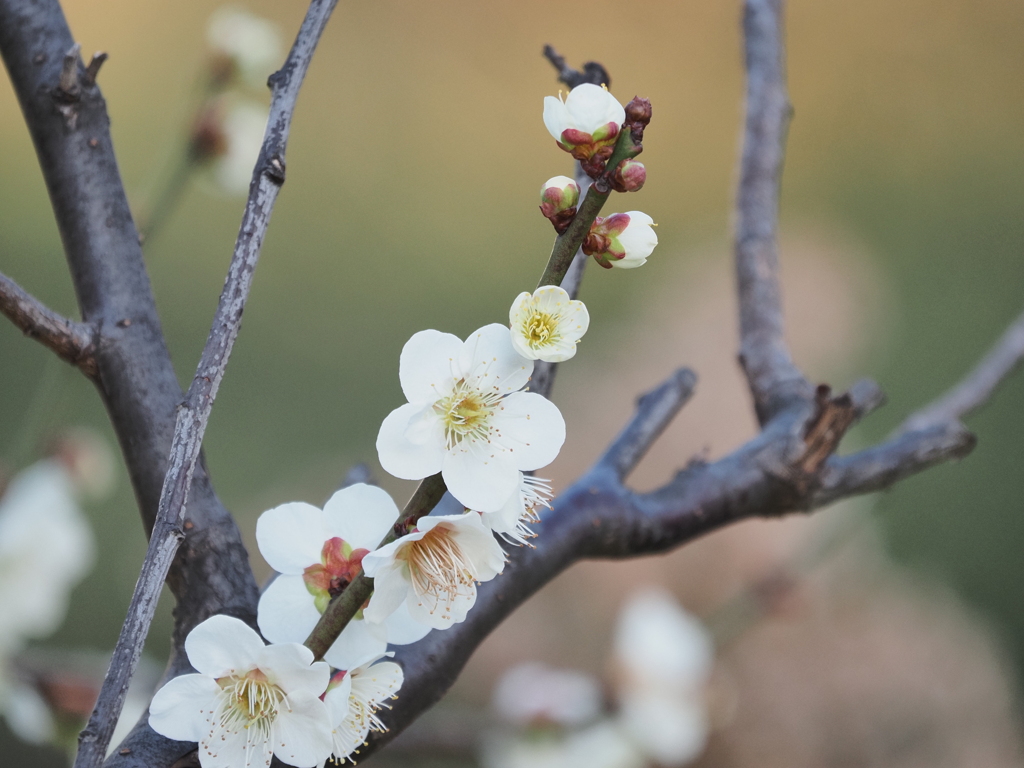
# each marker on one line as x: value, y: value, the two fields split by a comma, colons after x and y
x: 413, y: 170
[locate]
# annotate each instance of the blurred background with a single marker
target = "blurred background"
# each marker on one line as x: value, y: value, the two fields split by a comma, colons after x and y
x: 413, y: 169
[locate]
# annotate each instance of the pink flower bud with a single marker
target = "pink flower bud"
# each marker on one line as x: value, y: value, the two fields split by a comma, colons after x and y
x: 630, y: 176
x: 557, y: 195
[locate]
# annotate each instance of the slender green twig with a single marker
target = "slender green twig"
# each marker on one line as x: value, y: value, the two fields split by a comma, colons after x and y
x: 567, y: 243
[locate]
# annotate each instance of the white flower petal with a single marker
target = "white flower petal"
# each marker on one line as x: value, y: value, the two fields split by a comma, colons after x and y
x: 291, y: 536
x: 286, y: 612
x: 398, y: 455
x: 302, y: 731
x: 425, y: 367
x: 222, y: 748
x: 481, y: 476
x: 556, y: 117
x: 592, y: 107
x: 336, y: 700
x: 223, y: 645
x: 361, y: 641
x: 490, y: 361
x: 361, y: 514
x: 532, y: 428
x: 183, y: 708
x: 389, y: 590
x: 403, y: 629
x: 442, y: 613
x: 291, y: 667
x: 638, y: 240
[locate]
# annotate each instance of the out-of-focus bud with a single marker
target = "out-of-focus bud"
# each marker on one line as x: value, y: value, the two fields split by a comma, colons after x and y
x: 586, y: 124
x: 229, y: 135
x: 629, y: 176
x: 243, y: 44
x: 623, y: 240
x: 87, y: 457
x: 638, y: 115
x: 558, y: 200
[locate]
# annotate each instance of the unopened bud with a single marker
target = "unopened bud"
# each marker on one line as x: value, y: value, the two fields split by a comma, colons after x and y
x: 558, y: 199
x: 629, y: 176
x: 623, y: 240
x: 638, y: 115
x: 558, y: 194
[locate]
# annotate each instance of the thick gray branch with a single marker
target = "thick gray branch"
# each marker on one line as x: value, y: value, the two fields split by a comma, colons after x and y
x: 774, y: 380
x: 978, y: 386
x: 71, y: 341
x: 597, y: 517
x: 67, y: 120
x: 194, y: 413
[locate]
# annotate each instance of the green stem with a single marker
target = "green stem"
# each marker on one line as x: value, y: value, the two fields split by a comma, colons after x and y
x: 168, y: 197
x: 338, y: 614
x: 343, y: 607
x: 567, y: 243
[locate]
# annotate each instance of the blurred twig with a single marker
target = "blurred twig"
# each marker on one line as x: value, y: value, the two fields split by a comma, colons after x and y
x: 774, y: 380
x: 978, y: 386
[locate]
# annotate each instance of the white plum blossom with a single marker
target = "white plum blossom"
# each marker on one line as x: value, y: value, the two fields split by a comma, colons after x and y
x: 533, y: 694
x: 251, y: 45
x: 466, y: 417
x: 587, y: 122
x: 512, y: 521
x: 318, y: 553
x: 248, y: 702
x: 353, y: 700
x: 46, y: 548
x: 664, y: 658
x: 547, y: 324
x: 622, y: 240
x: 434, y: 570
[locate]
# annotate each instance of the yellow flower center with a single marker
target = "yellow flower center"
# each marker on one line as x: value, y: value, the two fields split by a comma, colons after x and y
x: 251, y: 702
x: 541, y: 328
x: 466, y: 413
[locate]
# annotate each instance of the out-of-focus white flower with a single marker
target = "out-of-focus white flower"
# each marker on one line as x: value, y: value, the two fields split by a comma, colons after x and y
x: 664, y: 657
x: 512, y: 522
x: 353, y: 699
x: 250, y: 44
x: 318, y: 553
x: 243, y: 128
x: 533, y: 694
x: 248, y: 702
x: 27, y: 714
x: 547, y: 324
x: 434, y: 570
x: 603, y: 745
x: 622, y: 240
x: 466, y: 418
x: 586, y: 122
x: 46, y: 547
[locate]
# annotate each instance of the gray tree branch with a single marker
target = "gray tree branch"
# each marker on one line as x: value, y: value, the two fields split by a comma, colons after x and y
x: 71, y: 341
x: 194, y: 413
x: 975, y: 390
x: 775, y: 381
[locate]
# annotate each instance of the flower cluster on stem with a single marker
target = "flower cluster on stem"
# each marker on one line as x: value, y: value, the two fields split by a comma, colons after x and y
x: 357, y: 575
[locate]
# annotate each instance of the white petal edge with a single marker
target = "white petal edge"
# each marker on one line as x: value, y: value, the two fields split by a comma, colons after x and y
x: 291, y: 536
x: 223, y: 645
x: 361, y: 514
x: 398, y: 455
x: 286, y: 612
